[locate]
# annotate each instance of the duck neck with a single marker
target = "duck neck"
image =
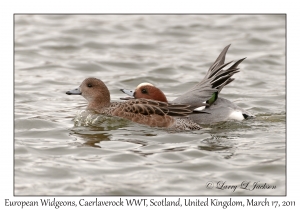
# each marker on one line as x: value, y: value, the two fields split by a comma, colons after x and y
x: 101, y: 101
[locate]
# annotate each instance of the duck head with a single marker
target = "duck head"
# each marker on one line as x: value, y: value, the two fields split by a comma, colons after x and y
x: 94, y: 91
x: 147, y: 91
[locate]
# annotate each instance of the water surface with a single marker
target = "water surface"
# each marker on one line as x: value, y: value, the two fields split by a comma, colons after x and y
x: 60, y: 149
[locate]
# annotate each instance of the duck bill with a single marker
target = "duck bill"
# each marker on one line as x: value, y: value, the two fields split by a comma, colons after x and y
x: 128, y: 92
x: 74, y: 92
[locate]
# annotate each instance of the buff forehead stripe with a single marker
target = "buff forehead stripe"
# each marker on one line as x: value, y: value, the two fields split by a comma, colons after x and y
x: 144, y: 84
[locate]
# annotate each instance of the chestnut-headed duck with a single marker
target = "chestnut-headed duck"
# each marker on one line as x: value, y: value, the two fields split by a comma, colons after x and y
x: 206, y: 91
x: 144, y: 111
x: 145, y: 90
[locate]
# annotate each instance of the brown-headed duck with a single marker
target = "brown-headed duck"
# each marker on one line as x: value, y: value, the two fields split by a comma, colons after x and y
x: 148, y: 112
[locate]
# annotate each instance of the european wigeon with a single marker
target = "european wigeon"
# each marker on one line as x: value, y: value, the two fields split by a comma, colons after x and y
x: 206, y: 91
x: 148, y: 112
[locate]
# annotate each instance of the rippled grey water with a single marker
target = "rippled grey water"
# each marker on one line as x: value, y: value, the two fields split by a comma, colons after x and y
x: 62, y: 150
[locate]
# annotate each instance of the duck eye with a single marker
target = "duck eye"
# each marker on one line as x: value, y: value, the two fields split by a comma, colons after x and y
x: 144, y: 91
x: 90, y: 85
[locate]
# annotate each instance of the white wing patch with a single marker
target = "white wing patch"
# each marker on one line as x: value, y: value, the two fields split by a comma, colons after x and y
x: 200, y: 108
